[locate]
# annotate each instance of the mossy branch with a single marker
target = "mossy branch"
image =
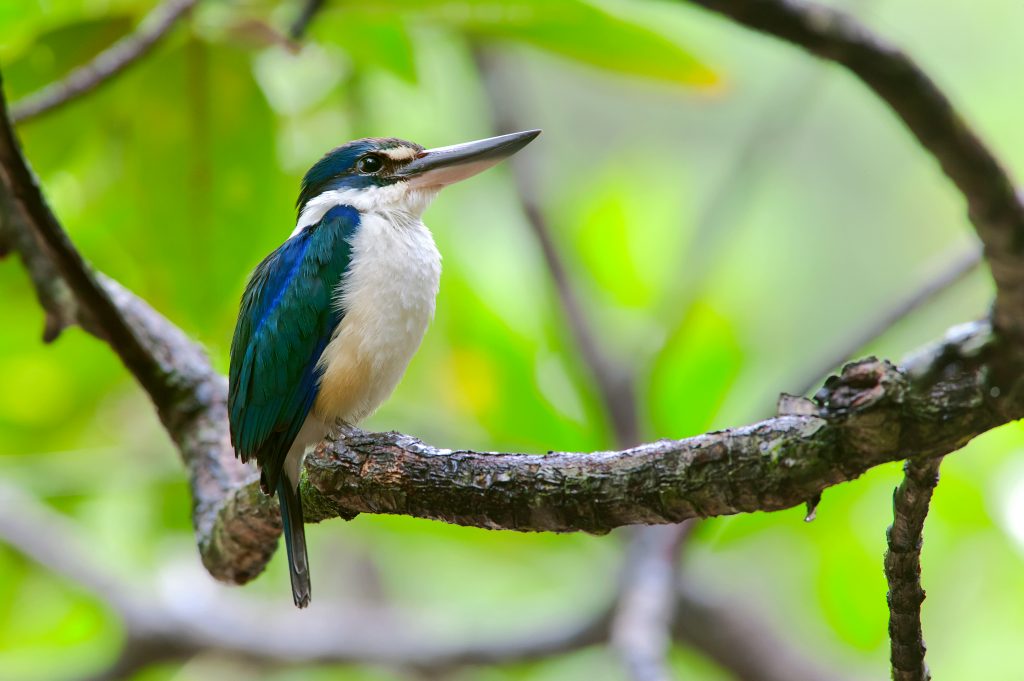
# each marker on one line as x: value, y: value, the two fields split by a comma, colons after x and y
x: 873, y: 413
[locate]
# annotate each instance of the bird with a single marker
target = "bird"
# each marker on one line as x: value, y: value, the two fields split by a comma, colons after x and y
x: 329, y: 321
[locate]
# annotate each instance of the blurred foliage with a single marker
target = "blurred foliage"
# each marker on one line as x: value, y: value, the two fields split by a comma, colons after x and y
x: 180, y: 175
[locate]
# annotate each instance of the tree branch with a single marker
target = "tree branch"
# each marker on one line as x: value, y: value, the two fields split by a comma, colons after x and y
x: 309, y: 10
x: 994, y: 205
x: 646, y: 604
x: 872, y: 414
x: 179, y: 618
x: 122, y: 337
x: 104, y: 66
x: 903, y: 569
x: 190, y: 397
x: 168, y: 623
x: 56, y: 299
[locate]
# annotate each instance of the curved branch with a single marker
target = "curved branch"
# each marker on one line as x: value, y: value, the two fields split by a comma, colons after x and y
x: 167, y: 621
x: 994, y: 205
x: 870, y: 416
x: 105, y: 65
x: 297, y: 31
x: 54, y: 296
x: 873, y: 413
x: 189, y: 396
x: 148, y: 369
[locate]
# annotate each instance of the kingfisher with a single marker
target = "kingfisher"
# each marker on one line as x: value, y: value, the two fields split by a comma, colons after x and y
x: 329, y: 321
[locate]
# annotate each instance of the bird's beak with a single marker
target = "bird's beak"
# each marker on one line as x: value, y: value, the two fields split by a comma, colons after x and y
x: 443, y: 166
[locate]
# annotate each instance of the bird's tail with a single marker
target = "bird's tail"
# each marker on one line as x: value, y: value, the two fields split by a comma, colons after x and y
x: 294, y: 539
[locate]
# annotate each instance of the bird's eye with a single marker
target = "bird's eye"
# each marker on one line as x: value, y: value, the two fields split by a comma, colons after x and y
x: 370, y: 164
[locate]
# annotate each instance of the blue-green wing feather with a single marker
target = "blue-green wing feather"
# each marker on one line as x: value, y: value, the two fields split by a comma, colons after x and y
x: 286, y: 319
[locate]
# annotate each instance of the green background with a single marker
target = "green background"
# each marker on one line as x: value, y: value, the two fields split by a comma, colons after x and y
x: 731, y: 212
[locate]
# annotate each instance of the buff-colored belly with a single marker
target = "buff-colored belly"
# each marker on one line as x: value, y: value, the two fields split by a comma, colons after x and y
x: 358, y: 373
x: 346, y: 387
x: 388, y: 298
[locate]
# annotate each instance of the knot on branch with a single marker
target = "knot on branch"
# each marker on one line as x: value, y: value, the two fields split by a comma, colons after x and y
x: 867, y: 396
x: 240, y: 544
x: 860, y: 386
x: 973, y: 370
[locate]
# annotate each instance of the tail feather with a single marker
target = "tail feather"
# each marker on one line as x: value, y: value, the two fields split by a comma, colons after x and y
x: 294, y: 539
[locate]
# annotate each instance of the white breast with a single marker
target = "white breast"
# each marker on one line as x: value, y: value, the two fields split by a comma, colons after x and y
x: 388, y: 296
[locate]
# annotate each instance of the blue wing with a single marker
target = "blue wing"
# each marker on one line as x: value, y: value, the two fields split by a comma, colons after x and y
x: 286, y: 319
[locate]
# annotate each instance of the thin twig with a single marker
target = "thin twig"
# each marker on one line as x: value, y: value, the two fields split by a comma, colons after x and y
x: 309, y: 10
x: 903, y: 568
x: 104, y: 66
x: 949, y: 274
x: 57, y: 301
x: 615, y: 384
x: 791, y: 101
x: 646, y: 603
x: 994, y: 206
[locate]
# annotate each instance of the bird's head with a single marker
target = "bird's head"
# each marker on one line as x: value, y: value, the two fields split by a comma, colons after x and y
x: 389, y: 175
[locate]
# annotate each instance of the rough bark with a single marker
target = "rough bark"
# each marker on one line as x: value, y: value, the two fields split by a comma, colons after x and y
x: 168, y: 624
x: 903, y: 569
x: 873, y: 413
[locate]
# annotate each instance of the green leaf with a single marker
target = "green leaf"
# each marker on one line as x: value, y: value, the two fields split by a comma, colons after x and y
x: 594, y: 36
x: 576, y: 29
x: 370, y: 40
